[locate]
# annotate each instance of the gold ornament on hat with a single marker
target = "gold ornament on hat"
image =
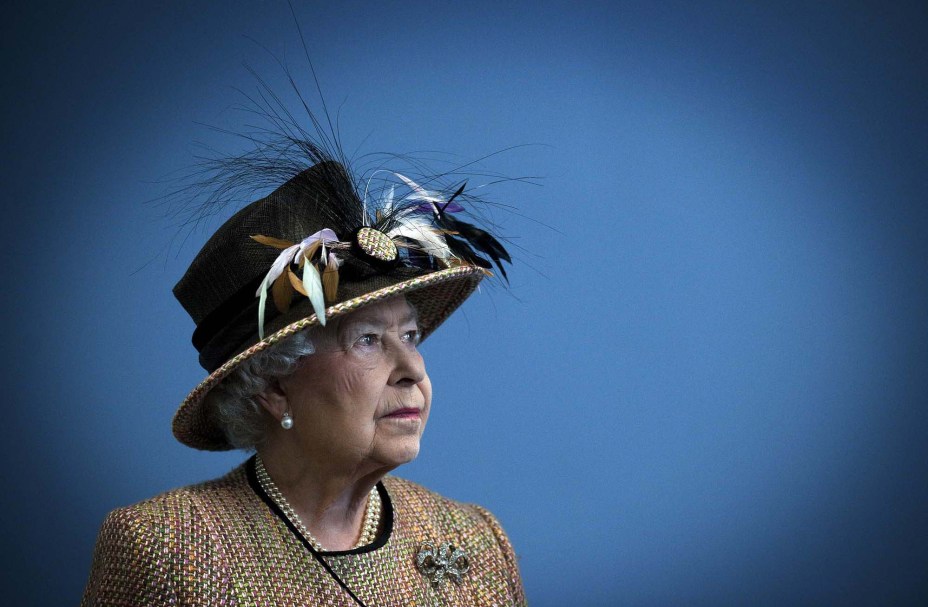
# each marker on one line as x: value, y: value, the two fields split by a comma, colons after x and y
x: 376, y: 244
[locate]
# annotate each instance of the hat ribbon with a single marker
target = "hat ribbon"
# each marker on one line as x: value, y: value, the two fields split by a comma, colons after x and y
x: 311, y: 279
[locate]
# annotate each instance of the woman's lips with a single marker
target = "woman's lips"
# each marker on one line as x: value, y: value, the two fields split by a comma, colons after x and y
x: 407, y: 413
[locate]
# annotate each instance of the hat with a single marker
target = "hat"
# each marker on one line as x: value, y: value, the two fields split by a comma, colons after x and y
x: 314, y: 250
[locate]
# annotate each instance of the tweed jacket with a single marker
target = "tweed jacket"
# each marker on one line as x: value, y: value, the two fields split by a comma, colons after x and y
x: 225, y: 542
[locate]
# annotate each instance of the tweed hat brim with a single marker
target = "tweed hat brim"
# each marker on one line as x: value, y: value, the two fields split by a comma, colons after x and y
x: 435, y: 296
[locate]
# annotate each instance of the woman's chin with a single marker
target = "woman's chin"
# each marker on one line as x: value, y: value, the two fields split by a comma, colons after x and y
x: 399, y: 452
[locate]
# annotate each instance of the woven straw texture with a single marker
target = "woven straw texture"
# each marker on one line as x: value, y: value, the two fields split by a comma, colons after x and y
x: 219, y: 543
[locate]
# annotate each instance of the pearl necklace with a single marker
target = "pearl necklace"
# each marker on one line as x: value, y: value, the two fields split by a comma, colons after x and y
x: 371, y: 514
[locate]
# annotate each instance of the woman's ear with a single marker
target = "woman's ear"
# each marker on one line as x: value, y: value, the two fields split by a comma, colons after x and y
x: 274, y: 400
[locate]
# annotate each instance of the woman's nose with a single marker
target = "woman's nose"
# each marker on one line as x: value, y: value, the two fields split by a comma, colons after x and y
x: 409, y: 367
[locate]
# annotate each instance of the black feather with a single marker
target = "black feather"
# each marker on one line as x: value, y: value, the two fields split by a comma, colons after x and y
x: 481, y: 240
x: 460, y: 191
x: 463, y: 250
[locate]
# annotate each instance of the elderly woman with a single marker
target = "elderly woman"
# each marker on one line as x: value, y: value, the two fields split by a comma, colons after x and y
x: 309, y: 307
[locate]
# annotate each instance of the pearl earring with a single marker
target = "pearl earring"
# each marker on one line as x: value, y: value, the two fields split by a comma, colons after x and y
x: 286, y: 421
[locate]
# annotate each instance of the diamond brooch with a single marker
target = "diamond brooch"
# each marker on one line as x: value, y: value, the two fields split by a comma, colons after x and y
x: 441, y: 562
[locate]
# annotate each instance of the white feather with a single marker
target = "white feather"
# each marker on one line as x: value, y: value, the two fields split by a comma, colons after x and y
x: 419, y: 193
x: 277, y: 268
x: 421, y: 230
x: 388, y: 202
x: 286, y: 257
x: 313, y: 285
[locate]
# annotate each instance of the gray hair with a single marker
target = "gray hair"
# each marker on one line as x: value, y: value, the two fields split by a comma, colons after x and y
x: 234, y: 401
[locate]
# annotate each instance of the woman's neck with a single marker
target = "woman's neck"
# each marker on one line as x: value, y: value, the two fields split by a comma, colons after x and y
x: 330, y: 502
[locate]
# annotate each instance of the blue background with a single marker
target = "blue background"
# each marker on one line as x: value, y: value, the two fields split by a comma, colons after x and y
x: 708, y: 386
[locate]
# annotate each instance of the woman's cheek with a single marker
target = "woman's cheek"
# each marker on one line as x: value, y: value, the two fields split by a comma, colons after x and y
x: 425, y: 386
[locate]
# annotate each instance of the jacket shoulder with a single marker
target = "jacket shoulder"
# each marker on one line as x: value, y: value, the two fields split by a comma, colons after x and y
x: 425, y: 514
x: 414, y: 499
x: 185, y: 502
x: 139, y: 555
x: 414, y: 502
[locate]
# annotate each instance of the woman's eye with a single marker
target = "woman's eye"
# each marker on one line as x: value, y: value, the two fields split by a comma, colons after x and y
x: 411, y: 337
x: 367, y: 340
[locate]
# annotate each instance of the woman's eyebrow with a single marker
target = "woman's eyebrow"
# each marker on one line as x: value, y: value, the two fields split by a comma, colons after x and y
x: 363, y: 324
x: 379, y: 322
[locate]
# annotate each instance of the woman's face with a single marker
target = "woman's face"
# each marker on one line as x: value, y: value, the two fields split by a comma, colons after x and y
x: 363, y: 397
